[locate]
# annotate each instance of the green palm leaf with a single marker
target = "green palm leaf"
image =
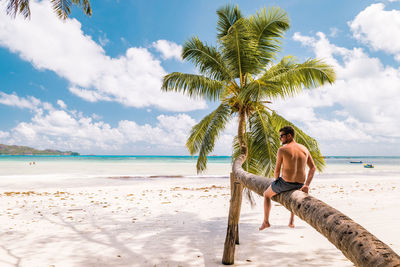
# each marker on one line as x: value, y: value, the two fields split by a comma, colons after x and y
x: 293, y: 77
x: 207, y: 58
x: 84, y: 5
x: 193, y: 85
x: 61, y: 7
x: 288, y: 78
x: 18, y: 6
x: 263, y: 144
x: 266, y: 141
x: 239, y: 49
x: 269, y: 26
x: 258, y: 90
x: 204, y: 134
x: 252, y: 164
x: 227, y: 16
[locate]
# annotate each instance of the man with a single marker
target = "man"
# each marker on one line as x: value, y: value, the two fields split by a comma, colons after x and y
x: 292, y: 158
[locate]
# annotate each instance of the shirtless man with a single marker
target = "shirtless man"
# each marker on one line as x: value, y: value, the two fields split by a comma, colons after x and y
x: 293, y: 158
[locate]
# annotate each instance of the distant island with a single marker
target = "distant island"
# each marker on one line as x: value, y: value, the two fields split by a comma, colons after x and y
x: 24, y: 150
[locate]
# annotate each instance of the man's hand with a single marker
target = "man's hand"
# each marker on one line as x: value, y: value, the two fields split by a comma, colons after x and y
x: 304, y: 189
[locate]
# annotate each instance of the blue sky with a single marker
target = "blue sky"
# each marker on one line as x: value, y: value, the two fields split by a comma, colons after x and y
x: 92, y: 84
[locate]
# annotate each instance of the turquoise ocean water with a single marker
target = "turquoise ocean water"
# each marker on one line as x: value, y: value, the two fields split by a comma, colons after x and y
x: 88, y: 158
x: 132, y: 166
x: 212, y: 159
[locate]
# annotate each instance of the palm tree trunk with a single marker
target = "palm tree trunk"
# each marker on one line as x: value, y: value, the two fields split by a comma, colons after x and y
x: 241, y: 128
x: 232, y: 232
x: 234, y: 183
x: 355, y: 242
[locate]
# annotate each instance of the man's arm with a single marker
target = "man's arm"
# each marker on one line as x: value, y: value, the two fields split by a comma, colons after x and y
x: 311, y: 171
x: 310, y: 175
x: 279, y: 159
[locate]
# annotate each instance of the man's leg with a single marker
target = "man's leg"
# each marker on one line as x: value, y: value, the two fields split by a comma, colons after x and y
x: 291, y: 220
x: 267, y: 207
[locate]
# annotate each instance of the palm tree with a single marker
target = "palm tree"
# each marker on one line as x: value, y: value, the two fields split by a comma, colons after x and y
x: 240, y: 72
x: 61, y: 7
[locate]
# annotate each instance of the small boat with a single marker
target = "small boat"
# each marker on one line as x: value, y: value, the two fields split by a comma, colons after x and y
x: 356, y: 161
x: 368, y: 165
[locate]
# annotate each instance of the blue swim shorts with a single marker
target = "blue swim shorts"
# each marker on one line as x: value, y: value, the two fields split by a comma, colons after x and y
x: 280, y: 185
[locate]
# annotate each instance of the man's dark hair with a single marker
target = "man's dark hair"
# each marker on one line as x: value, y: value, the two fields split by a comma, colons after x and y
x: 287, y: 130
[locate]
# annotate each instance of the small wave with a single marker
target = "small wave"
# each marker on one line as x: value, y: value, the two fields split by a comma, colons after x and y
x: 166, y: 176
x: 126, y: 177
x: 207, y: 176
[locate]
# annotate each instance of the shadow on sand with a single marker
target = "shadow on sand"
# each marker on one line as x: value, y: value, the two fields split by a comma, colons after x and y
x: 181, y: 239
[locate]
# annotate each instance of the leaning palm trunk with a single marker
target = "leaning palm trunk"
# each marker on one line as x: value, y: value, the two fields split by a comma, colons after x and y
x: 355, y: 242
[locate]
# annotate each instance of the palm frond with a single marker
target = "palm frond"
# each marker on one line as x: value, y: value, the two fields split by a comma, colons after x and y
x: 269, y: 26
x: 293, y: 77
x: 239, y: 49
x: 302, y: 138
x: 18, y: 6
x: 251, y: 164
x: 263, y: 144
x: 63, y: 7
x: 204, y: 134
x: 227, y: 16
x: 207, y: 58
x: 266, y: 141
x: 193, y: 85
x: 258, y: 90
x: 84, y: 5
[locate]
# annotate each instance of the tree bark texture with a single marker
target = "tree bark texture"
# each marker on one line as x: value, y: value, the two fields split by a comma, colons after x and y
x: 241, y: 130
x: 355, y: 242
x: 240, y: 196
x: 234, y: 213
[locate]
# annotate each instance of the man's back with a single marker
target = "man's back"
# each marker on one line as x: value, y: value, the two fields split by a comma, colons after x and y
x: 294, y: 161
x: 290, y: 172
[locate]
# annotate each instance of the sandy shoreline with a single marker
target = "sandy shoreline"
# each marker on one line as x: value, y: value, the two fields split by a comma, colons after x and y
x: 176, y: 222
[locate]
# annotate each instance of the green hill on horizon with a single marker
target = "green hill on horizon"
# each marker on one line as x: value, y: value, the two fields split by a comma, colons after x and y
x: 25, y: 150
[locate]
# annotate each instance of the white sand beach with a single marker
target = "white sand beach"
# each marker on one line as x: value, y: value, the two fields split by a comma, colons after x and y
x: 121, y: 121
x: 176, y: 222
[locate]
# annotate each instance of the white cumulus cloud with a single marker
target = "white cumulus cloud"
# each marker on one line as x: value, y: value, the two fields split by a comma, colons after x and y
x: 4, y: 135
x: 359, y: 112
x: 63, y: 129
x: 133, y: 79
x: 61, y: 104
x: 168, y: 49
x: 15, y: 101
x: 378, y: 28
x: 89, y: 95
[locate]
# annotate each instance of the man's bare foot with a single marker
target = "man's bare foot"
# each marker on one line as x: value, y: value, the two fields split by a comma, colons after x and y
x: 264, y: 225
x: 291, y: 225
